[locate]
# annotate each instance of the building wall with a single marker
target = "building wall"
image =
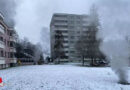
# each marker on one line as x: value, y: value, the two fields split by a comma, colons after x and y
x: 71, y: 26
x: 7, y: 45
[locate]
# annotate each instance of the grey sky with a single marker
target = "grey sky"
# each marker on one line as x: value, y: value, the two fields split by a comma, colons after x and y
x: 114, y: 18
x: 7, y: 8
x: 33, y: 15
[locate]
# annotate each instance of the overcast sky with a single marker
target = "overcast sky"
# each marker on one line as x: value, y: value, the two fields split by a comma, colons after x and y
x: 33, y: 15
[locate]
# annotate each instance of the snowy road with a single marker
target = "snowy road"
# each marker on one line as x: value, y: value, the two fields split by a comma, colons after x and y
x: 60, y: 77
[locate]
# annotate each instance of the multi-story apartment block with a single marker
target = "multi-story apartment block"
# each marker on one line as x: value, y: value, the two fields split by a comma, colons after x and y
x: 7, y: 45
x: 71, y: 26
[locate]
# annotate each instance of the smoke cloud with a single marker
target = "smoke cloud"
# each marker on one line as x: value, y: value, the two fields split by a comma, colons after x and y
x: 114, y: 16
x: 33, y: 15
x: 45, y: 41
x: 7, y: 8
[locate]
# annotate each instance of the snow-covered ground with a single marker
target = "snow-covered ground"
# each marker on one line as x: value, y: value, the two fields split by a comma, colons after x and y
x: 60, y: 77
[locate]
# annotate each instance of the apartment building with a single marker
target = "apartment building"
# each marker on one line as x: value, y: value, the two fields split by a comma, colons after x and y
x: 7, y: 45
x: 71, y: 26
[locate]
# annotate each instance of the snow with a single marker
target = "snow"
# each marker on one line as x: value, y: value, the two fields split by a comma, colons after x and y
x: 60, y: 77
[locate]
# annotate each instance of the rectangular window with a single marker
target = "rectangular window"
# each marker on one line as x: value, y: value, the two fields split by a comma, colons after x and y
x: 1, y: 38
x: 2, y: 54
x: 65, y: 41
x: 72, y: 51
x: 11, y: 55
x: 72, y: 37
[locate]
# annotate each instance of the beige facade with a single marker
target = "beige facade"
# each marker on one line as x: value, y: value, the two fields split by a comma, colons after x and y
x: 7, y: 45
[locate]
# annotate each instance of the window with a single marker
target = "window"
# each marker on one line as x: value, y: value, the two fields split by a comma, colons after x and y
x: 64, y: 31
x: 65, y: 41
x: 2, y: 54
x: 72, y: 51
x: 71, y: 27
x: 78, y: 32
x: 71, y: 41
x: 8, y: 55
x: 66, y: 46
x: 1, y: 38
x: 61, y: 26
x: 1, y: 27
x: 72, y: 37
x: 11, y: 44
x: 11, y: 55
x: 61, y: 21
x: 66, y: 51
x: 78, y: 37
x: 65, y: 36
x: 11, y: 34
x: 5, y: 54
x: 5, y: 41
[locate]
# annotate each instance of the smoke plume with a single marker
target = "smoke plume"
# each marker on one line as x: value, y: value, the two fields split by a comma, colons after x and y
x: 33, y: 15
x: 45, y: 41
x: 7, y: 8
x: 114, y: 16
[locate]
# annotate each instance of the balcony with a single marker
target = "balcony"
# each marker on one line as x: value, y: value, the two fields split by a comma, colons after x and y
x: 61, y: 29
x: 66, y: 49
x: 66, y: 39
x: 61, y: 18
x: 65, y: 24
x: 12, y: 39
x: 65, y: 34
x: 2, y: 44
x: 67, y: 54
x: 12, y: 49
x: 1, y: 30
x: 2, y: 60
x: 13, y: 60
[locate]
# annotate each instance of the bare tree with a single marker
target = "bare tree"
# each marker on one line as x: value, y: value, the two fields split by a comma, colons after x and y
x: 88, y: 44
x: 81, y: 47
x: 93, y: 43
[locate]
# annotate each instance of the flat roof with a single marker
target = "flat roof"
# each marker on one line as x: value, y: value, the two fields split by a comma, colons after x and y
x: 70, y: 14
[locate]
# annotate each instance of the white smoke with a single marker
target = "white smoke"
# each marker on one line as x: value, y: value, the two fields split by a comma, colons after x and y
x: 114, y: 16
x: 38, y: 52
x: 33, y: 15
x: 7, y: 8
x: 45, y: 41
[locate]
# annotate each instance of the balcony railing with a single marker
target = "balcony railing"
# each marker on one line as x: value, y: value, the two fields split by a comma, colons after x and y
x: 2, y: 60
x: 1, y: 30
x: 13, y: 60
x: 61, y: 24
x: 12, y: 49
x: 2, y: 44
x: 12, y: 39
x: 60, y: 18
x: 61, y: 28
